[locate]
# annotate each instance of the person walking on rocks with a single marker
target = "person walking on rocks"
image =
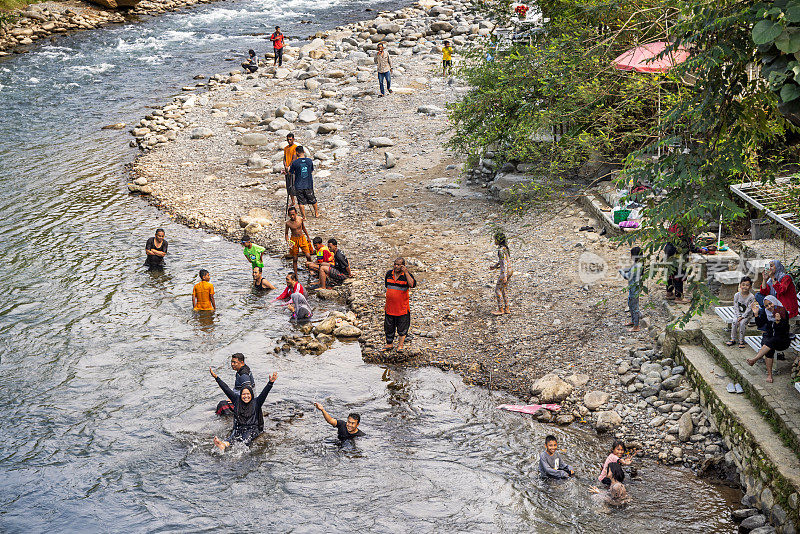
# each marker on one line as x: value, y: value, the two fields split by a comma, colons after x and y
x: 504, y: 264
x: 156, y: 249
x: 398, y: 311
x: 384, y: 63
x: 447, y: 59
x: 289, y: 155
x: 299, y: 240
x: 277, y: 46
x: 302, y: 169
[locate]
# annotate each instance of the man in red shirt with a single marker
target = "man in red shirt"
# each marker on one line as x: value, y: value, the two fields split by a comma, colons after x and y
x: 398, y: 313
x: 277, y: 46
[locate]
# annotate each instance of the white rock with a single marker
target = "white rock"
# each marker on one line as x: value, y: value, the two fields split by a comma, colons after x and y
x: 380, y: 142
x: 307, y: 115
x: 201, y: 133
x: 253, y: 139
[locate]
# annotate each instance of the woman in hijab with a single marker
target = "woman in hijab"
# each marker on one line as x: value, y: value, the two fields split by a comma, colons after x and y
x: 778, y: 283
x: 773, y: 319
x: 301, y: 311
x: 248, y: 421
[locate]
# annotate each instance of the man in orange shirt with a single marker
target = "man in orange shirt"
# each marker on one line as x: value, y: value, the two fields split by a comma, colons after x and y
x: 398, y: 312
x: 277, y: 46
x: 289, y: 155
x: 203, y: 293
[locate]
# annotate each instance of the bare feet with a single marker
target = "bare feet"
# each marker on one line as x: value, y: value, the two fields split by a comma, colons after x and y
x: 387, y: 348
x: 769, y: 379
x: 498, y: 312
x: 221, y: 444
x: 634, y: 329
x: 751, y: 361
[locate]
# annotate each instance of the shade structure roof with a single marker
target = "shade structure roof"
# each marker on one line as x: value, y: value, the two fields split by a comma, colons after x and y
x: 641, y: 58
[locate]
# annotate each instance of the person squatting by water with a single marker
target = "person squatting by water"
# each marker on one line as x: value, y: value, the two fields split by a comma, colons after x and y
x: 504, y: 264
x: 248, y: 420
x: 323, y: 257
x: 297, y: 236
x: 251, y: 64
x: 300, y: 308
x: 337, y: 272
x: 277, y: 46
x: 259, y: 282
x: 155, y: 249
x: 243, y: 377
x: 203, y: 293
x: 397, y: 317
x: 344, y: 429
x: 551, y: 464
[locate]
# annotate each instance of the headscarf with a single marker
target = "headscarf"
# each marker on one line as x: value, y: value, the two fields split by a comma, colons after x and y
x: 780, y: 271
x: 299, y: 301
x: 774, y: 300
x: 244, y: 411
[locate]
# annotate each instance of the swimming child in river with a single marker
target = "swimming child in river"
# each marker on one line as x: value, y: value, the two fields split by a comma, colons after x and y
x: 616, y: 495
x: 551, y: 464
x: 248, y: 421
x: 617, y: 455
x: 203, y: 293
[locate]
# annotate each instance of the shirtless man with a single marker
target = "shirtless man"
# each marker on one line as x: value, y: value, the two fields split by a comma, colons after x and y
x: 299, y: 240
x: 259, y: 282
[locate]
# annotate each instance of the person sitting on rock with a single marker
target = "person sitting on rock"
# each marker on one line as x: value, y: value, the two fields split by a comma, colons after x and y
x: 338, y: 271
x: 251, y: 65
x: 323, y: 257
x: 551, y: 464
x: 300, y: 308
x: 774, y: 320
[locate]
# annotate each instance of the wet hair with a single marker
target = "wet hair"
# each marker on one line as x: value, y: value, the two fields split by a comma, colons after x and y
x: 618, y: 443
x: 500, y: 239
x: 260, y: 270
x: 354, y: 416
x: 160, y: 230
x: 615, y: 470
x: 291, y: 275
x: 203, y: 272
x: 746, y: 279
x: 317, y: 240
x: 300, y: 149
x: 290, y: 209
x: 238, y: 356
x: 550, y: 438
x: 332, y: 241
x: 636, y: 252
x: 251, y: 52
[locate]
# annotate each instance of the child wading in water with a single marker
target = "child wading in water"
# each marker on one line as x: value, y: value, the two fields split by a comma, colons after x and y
x: 633, y: 274
x: 203, y: 293
x: 504, y: 264
x: 616, y: 456
x: 551, y: 464
x: 616, y: 495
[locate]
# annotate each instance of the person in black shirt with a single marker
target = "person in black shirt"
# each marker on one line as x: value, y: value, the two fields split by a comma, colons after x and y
x: 244, y: 376
x: 156, y: 249
x: 248, y: 420
x: 340, y: 270
x: 345, y: 429
x: 259, y: 282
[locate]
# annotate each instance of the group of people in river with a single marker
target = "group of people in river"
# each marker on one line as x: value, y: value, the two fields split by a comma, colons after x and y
x: 612, y: 475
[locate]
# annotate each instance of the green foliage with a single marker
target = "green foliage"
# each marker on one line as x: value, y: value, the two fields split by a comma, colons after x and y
x: 777, y: 34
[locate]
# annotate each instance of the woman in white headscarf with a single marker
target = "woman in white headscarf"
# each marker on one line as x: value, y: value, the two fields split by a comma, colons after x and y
x: 773, y: 319
x: 301, y: 310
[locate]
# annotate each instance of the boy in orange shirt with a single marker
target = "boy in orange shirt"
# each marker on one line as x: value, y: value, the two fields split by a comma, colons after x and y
x: 203, y: 293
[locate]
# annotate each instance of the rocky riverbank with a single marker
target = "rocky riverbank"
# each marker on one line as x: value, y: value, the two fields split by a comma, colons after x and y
x: 46, y: 20
x: 388, y: 187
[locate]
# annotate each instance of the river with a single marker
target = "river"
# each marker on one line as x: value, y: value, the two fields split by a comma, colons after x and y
x: 106, y: 396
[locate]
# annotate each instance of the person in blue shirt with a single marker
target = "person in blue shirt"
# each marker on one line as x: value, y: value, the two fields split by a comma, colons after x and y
x: 302, y: 169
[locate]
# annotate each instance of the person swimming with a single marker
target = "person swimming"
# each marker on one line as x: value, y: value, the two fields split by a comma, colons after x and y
x: 248, y: 421
x: 617, y: 494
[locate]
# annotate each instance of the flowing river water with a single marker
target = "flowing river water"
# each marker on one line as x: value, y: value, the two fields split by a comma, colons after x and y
x: 106, y: 398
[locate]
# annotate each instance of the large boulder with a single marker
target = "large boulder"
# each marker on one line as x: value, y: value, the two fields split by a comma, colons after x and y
x: 388, y: 27
x: 595, y: 399
x: 685, y: 427
x: 315, y: 44
x: 347, y: 330
x: 550, y: 388
x: 280, y: 123
x: 201, y: 133
x: 504, y: 184
x: 380, y: 142
x: 253, y: 139
x: 441, y: 25
x: 607, y: 420
x: 326, y: 327
x: 307, y: 115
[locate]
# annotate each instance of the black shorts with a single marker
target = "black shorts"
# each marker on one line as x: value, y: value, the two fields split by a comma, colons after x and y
x: 775, y: 344
x: 400, y: 323
x: 290, y: 185
x: 305, y: 196
x: 447, y: 62
x: 335, y: 274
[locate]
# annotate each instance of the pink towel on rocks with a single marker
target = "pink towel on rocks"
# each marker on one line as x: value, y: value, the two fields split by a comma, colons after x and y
x: 529, y: 408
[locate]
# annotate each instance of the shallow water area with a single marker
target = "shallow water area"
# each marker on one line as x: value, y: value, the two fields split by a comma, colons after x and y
x: 107, y: 396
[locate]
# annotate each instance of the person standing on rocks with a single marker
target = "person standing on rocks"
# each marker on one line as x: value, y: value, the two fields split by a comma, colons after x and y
x: 299, y: 240
x: 447, y: 59
x: 289, y: 155
x: 384, y: 63
x: 277, y: 46
x: 156, y: 249
x: 633, y: 274
x: 504, y: 264
x: 259, y: 282
x: 397, y: 317
x: 302, y: 168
